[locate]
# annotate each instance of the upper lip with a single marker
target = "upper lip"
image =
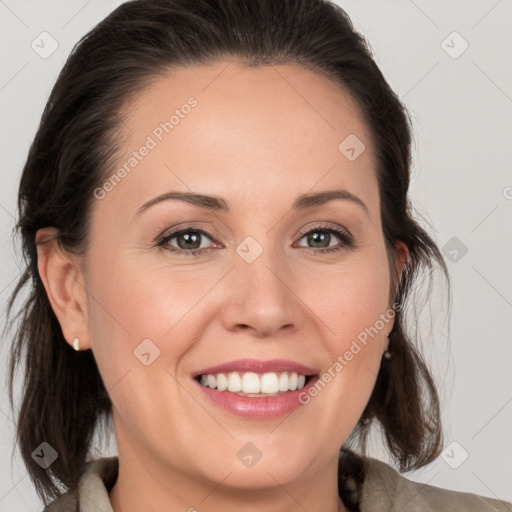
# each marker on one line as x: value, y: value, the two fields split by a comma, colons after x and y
x: 257, y: 366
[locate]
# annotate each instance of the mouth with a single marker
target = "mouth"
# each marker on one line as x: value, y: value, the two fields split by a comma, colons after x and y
x: 256, y: 389
x: 253, y: 384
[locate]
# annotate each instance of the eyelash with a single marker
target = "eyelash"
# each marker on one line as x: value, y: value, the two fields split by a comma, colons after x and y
x: 347, y: 240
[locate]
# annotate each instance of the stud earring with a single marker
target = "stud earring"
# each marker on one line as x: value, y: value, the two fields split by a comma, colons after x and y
x: 76, y: 344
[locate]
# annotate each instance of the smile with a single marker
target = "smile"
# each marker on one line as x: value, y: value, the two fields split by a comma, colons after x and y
x: 254, y: 384
x: 256, y: 389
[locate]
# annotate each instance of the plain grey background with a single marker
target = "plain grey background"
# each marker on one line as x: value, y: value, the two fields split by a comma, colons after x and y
x: 449, y: 61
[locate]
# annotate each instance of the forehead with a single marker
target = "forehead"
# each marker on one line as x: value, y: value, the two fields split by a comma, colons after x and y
x: 230, y: 95
x: 228, y: 129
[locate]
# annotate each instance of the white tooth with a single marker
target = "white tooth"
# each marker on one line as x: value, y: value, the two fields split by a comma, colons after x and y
x: 292, y: 381
x: 269, y: 383
x: 222, y: 382
x: 250, y: 383
x: 234, y: 382
x: 283, y: 382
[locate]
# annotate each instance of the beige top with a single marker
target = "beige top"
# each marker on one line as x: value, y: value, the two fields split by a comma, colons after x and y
x: 383, y: 490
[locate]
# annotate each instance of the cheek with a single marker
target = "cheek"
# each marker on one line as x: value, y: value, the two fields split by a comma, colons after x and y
x: 351, y: 299
x: 352, y: 303
x: 131, y: 301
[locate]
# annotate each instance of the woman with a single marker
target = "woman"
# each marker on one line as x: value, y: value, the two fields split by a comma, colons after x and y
x: 215, y: 216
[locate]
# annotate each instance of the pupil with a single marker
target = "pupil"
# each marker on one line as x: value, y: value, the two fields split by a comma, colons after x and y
x: 188, y: 239
x: 319, y: 237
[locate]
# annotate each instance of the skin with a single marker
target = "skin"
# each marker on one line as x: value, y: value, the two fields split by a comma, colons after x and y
x: 258, y: 138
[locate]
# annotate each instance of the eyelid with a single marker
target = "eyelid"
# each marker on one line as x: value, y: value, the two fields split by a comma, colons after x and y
x: 327, y: 226
x: 176, y: 230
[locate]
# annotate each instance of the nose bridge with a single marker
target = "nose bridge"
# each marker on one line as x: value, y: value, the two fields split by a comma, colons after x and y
x: 259, y: 266
x: 260, y: 298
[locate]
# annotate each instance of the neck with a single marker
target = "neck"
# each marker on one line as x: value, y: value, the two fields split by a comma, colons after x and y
x: 217, y: 500
x: 150, y: 485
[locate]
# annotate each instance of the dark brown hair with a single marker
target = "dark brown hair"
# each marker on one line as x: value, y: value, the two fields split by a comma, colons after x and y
x: 63, y: 395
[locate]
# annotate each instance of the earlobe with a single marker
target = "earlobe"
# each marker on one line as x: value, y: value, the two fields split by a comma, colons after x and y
x: 62, y: 279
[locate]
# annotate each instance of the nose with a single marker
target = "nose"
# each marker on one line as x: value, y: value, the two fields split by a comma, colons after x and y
x: 260, y: 299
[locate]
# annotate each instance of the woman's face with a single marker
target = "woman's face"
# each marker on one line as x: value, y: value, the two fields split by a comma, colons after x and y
x: 269, y: 278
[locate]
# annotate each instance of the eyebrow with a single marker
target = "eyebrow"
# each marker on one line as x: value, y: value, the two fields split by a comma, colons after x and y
x: 217, y: 203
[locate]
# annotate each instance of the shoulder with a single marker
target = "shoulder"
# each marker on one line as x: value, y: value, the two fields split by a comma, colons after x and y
x: 93, y: 488
x: 386, y: 490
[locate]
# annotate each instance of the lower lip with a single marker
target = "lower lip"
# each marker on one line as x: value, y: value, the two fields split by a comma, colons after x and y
x: 257, y: 407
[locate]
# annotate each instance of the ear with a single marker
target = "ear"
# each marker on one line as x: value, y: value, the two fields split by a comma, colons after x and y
x: 62, y: 277
x: 401, y: 253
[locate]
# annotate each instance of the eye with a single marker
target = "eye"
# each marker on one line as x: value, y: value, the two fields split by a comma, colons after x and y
x: 192, y: 241
x: 188, y: 242
x: 320, y: 238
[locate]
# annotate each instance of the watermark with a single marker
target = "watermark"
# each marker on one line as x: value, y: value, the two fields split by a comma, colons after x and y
x: 45, y: 455
x: 454, y: 45
x: 351, y: 147
x: 454, y: 249
x: 249, y: 249
x: 454, y: 455
x: 44, y: 45
x: 249, y: 455
x: 146, y: 352
x: 343, y: 360
x: 151, y: 142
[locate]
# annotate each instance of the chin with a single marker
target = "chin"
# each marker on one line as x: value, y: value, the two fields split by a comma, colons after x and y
x: 259, y: 462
